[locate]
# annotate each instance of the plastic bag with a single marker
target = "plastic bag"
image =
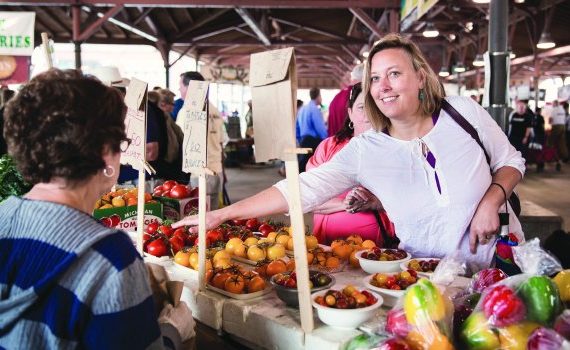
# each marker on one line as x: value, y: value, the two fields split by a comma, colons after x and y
x: 422, y: 318
x: 509, y: 311
x: 448, y: 269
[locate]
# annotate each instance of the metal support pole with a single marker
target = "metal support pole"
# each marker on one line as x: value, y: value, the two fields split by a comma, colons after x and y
x: 77, y: 54
x: 167, y: 73
x: 498, y: 32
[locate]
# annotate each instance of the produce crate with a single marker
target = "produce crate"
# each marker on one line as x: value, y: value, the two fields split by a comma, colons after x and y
x: 125, y: 218
x: 175, y: 209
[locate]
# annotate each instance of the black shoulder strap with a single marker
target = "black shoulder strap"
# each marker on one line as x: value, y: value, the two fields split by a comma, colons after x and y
x: 465, y: 125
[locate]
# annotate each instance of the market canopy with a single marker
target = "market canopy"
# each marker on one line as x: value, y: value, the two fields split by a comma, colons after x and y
x: 329, y: 36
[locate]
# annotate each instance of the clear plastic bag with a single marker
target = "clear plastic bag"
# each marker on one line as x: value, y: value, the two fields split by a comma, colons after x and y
x: 511, y: 310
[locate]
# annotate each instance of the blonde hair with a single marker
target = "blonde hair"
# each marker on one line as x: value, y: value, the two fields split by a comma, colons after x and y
x: 433, y: 90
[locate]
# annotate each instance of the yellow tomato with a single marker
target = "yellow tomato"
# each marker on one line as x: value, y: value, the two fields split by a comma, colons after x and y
x: 290, y: 244
x: 193, y: 261
x: 241, y: 251
x: 232, y: 244
x: 250, y: 241
x: 276, y: 251
x: 368, y: 244
x: 282, y: 239
x: 311, y: 242
x: 222, y: 263
x: 182, y: 258
x: 271, y: 236
x: 221, y: 255
x: 255, y: 253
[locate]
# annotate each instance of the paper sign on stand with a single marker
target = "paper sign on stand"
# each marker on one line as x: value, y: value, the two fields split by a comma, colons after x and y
x: 195, y: 157
x: 273, y: 81
x: 134, y: 155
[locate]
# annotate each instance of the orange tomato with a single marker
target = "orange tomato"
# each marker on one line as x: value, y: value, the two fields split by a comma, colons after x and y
x: 355, y: 239
x: 275, y: 267
x: 353, y: 260
x: 235, y: 284
x: 248, y: 275
x: 219, y: 279
x: 342, y: 250
x: 332, y: 262
x: 147, y: 197
x: 182, y: 258
x: 261, y: 269
x: 132, y: 201
x: 256, y: 284
x: 310, y: 258
x: 290, y: 265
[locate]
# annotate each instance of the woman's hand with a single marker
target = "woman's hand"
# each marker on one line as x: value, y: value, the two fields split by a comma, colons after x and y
x: 484, y: 225
x: 360, y: 199
x: 213, y: 219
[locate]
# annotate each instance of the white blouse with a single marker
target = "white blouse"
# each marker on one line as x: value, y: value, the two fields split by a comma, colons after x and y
x: 430, y: 220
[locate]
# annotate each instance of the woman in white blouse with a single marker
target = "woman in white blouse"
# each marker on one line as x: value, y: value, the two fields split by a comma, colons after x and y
x: 431, y: 175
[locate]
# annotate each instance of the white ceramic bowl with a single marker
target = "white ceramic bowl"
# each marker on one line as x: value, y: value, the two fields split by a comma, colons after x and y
x: 374, y: 266
x: 390, y: 296
x: 404, y: 266
x: 345, y: 318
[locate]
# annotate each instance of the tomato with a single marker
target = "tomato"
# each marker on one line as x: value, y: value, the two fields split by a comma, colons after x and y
x: 167, y: 185
x: 166, y: 229
x: 256, y: 284
x: 235, y: 284
x: 265, y: 229
x: 215, y: 235
x: 194, y: 192
x: 239, y: 222
x: 180, y: 233
x: 158, y: 188
x: 191, y: 239
x: 252, y: 224
x: 157, y: 248
x: 115, y: 220
x: 152, y: 227
x: 179, y: 192
x: 165, y: 193
x: 157, y: 193
x: 146, y: 237
x: 176, y: 243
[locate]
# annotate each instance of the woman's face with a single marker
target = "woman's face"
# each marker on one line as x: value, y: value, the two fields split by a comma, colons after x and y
x: 394, y: 84
x: 358, y: 117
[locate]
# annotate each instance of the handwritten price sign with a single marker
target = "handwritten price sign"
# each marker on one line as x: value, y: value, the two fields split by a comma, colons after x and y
x: 135, y: 125
x: 194, y: 155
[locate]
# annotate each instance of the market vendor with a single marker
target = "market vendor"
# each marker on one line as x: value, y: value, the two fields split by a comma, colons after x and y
x: 432, y: 176
x: 67, y: 281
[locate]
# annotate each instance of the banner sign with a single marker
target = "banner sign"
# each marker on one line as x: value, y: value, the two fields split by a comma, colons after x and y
x: 17, y: 33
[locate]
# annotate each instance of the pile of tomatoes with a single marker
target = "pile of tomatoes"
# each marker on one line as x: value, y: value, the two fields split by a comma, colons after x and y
x: 236, y: 280
x: 162, y: 240
x: 316, y: 279
x: 173, y: 189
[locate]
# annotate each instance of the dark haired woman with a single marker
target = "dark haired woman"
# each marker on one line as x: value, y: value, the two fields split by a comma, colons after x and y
x: 66, y: 281
x: 337, y: 218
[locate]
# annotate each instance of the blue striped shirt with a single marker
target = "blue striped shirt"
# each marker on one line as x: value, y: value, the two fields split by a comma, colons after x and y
x: 66, y: 281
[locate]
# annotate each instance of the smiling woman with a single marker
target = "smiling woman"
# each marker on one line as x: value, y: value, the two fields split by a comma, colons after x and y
x: 432, y: 177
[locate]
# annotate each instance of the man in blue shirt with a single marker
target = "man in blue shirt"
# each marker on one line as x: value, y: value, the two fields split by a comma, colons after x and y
x: 183, y: 88
x: 310, y: 126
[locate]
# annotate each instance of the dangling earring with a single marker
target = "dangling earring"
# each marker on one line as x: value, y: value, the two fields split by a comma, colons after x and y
x: 109, y: 171
x: 421, y: 95
x: 351, y: 125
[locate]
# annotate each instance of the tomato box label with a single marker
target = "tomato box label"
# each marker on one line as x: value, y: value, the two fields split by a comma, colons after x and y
x: 125, y: 218
x: 175, y: 209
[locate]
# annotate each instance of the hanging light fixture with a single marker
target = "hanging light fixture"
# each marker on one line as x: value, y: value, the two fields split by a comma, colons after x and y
x: 459, y: 67
x: 545, y: 41
x: 481, y: 1
x: 479, y: 61
x: 443, y: 72
x: 430, y: 31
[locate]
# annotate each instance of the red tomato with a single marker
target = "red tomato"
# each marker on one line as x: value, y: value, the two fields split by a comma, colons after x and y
x: 179, y: 192
x: 192, y: 239
x: 208, y: 242
x: 215, y: 235
x: 166, y: 229
x: 165, y: 193
x: 194, y: 192
x: 252, y: 224
x: 167, y: 185
x: 265, y: 229
x: 176, y: 243
x: 152, y: 227
x: 146, y: 237
x: 157, y: 248
x: 157, y: 193
x: 239, y: 222
x: 158, y: 188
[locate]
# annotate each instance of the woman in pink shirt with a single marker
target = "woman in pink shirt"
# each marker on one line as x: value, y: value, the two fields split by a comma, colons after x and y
x: 357, y: 211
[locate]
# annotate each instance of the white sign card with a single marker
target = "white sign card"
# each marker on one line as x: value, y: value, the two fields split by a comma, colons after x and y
x: 195, y: 127
x: 135, y: 124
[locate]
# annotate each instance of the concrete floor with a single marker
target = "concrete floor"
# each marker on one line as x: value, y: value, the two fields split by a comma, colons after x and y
x: 550, y: 189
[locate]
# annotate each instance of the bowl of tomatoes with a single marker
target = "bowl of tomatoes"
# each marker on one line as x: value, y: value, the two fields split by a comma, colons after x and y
x: 346, y: 307
x: 423, y: 266
x: 382, y: 260
x: 285, y: 285
x: 391, y: 285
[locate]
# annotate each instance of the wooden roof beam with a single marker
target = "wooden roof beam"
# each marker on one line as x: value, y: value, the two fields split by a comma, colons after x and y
x: 308, y: 28
x: 366, y: 20
x: 202, y: 22
x: 95, y: 26
x: 270, y: 4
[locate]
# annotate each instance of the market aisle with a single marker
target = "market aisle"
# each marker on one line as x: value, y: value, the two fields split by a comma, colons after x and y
x: 550, y: 189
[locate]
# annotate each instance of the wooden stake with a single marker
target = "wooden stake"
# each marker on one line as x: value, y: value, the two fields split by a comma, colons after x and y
x: 140, y: 211
x: 300, y: 247
x: 45, y: 42
x: 202, y: 226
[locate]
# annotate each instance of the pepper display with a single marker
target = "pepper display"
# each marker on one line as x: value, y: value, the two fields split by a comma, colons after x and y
x: 541, y: 297
x: 423, y: 302
x: 502, y: 306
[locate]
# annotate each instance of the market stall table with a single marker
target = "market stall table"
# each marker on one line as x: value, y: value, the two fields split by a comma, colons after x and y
x: 266, y: 322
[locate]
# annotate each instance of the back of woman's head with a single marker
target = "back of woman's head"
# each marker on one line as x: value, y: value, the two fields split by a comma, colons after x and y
x: 433, y: 91
x: 60, y: 124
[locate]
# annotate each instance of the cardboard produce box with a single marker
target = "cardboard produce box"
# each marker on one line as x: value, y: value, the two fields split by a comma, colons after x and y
x: 175, y: 209
x: 125, y: 218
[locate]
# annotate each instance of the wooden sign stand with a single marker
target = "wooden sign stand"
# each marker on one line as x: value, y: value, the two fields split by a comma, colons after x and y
x: 45, y: 43
x: 140, y: 202
x: 299, y: 244
x: 202, y: 226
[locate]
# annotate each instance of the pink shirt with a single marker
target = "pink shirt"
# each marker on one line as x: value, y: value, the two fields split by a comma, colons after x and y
x: 342, y: 224
x: 338, y: 111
